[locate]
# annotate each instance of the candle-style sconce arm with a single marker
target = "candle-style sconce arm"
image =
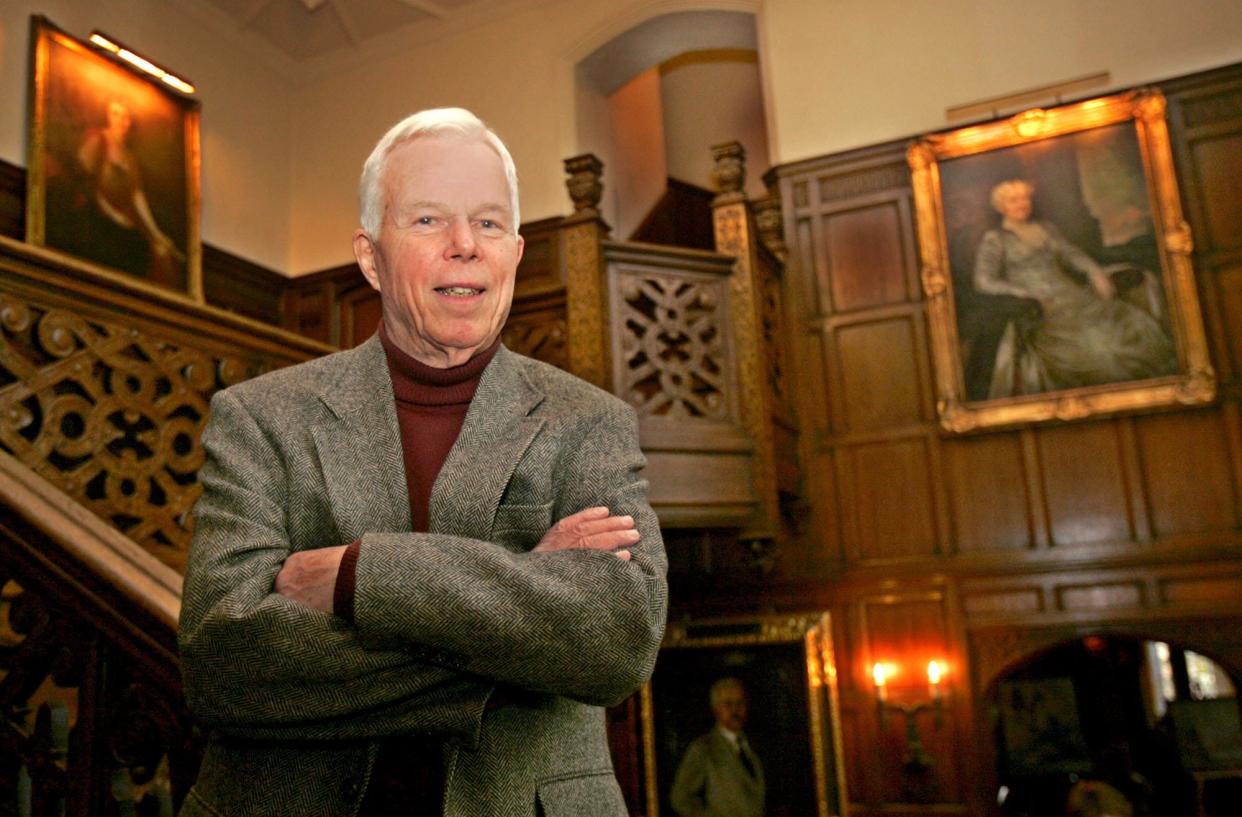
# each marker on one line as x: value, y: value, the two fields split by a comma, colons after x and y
x: 916, y: 762
x: 916, y: 758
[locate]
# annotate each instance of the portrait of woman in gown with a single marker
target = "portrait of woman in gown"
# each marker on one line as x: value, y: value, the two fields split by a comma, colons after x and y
x: 1078, y: 330
x: 117, y: 215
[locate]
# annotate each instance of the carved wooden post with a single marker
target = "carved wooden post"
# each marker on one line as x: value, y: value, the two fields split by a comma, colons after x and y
x: 769, y: 221
x: 586, y: 292
x: 736, y: 236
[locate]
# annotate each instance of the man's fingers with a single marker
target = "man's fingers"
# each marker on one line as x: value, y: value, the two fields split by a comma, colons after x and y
x: 584, y: 515
x: 610, y: 540
x: 611, y: 523
x: 623, y: 555
x: 590, y: 529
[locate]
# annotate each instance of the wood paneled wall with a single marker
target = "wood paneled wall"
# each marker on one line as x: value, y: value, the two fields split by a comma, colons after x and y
x: 984, y: 549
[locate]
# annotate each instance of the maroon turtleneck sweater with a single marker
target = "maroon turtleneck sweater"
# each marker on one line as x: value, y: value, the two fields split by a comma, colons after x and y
x: 408, y: 776
x: 431, y: 407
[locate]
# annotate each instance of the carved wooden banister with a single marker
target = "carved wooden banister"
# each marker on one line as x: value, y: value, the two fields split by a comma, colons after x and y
x: 674, y: 358
x: 104, y: 386
x: 79, y: 536
x: 751, y: 235
x: 94, y: 721
x: 691, y: 340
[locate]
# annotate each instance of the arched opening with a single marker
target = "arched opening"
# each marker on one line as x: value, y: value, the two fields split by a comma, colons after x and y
x: 652, y: 100
x: 1115, y: 724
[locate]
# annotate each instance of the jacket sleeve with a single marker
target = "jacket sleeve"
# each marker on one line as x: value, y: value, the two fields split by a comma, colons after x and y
x: 258, y: 665
x: 689, y: 783
x: 583, y: 624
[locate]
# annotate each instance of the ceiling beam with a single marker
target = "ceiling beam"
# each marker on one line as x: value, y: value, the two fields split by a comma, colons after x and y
x: 251, y: 12
x: 428, y: 7
x: 341, y: 7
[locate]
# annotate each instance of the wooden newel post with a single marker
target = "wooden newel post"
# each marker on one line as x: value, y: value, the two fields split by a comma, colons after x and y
x: 737, y: 236
x: 586, y: 289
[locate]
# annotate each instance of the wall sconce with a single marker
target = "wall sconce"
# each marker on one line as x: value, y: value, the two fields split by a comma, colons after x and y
x: 110, y: 46
x: 916, y: 760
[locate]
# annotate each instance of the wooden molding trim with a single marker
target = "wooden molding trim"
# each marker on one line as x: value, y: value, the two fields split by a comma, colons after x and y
x: 45, y: 270
x: 109, y: 554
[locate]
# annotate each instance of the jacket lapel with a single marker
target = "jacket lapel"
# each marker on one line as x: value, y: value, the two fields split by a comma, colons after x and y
x: 360, y: 447
x: 496, y: 432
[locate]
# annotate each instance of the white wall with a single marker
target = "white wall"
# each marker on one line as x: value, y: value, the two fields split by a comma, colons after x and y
x: 245, y: 109
x: 709, y: 101
x: 509, y: 70
x: 639, y: 173
x: 847, y: 73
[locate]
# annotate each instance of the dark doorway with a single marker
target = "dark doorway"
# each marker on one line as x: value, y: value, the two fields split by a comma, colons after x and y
x: 1108, y: 725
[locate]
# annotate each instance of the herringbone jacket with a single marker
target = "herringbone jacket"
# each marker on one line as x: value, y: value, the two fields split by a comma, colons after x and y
x: 296, y: 699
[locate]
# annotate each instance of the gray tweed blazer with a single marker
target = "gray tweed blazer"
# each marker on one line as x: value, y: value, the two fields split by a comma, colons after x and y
x: 296, y: 700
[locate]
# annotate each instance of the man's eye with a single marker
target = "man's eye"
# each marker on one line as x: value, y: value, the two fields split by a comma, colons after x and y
x: 425, y: 221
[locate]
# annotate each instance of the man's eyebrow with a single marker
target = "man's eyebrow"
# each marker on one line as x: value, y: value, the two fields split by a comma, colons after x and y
x: 424, y: 204
x: 492, y: 207
x: 428, y: 204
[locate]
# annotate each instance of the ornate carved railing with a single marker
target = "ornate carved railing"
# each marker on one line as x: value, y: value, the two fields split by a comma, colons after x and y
x: 674, y: 358
x: 104, y: 383
x: 93, y: 717
x: 693, y: 340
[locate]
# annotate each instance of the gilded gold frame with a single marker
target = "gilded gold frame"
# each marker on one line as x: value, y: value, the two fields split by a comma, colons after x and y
x: 44, y: 35
x: 814, y: 632
x: 1193, y: 384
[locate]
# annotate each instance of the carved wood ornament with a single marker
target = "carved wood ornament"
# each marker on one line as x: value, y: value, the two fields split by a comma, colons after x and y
x: 673, y: 345
x: 111, y: 416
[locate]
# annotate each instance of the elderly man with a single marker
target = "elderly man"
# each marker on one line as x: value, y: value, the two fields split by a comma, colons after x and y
x: 421, y: 566
x: 720, y: 775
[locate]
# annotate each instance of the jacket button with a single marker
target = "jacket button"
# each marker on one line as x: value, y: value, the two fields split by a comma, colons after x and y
x: 350, y: 790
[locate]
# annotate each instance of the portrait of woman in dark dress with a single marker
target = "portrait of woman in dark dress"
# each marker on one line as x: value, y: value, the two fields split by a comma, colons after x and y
x: 116, y: 216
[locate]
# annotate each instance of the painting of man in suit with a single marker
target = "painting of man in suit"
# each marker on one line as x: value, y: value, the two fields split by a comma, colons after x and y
x: 423, y: 566
x: 720, y: 774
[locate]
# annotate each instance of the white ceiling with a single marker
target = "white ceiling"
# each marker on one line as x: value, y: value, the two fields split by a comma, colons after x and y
x: 305, y: 29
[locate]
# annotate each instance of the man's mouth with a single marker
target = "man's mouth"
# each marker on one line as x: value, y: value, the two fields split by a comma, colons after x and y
x: 459, y: 292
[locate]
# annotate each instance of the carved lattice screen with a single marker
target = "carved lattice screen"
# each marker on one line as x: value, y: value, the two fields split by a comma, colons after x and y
x: 674, y: 343
x: 110, y: 415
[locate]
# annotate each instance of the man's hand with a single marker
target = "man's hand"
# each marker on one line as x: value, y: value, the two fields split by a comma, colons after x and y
x: 591, y: 529
x: 309, y: 577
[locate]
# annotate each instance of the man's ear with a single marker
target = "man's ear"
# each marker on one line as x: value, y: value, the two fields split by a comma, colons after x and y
x: 365, y: 254
x: 521, y: 247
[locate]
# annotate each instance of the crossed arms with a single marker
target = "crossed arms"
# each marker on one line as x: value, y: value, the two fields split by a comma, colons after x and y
x: 439, y: 619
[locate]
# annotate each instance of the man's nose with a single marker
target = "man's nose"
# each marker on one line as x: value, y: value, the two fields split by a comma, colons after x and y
x: 461, y: 242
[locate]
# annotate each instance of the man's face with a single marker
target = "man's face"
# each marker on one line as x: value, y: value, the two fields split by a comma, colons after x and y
x: 730, y: 708
x: 447, y: 252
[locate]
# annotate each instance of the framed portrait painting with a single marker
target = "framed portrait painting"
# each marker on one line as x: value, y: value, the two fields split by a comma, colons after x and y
x: 741, y: 717
x: 1057, y: 266
x: 112, y: 163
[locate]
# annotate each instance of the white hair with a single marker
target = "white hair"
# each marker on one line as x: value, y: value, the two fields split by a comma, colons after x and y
x: 456, y: 122
x: 718, y: 689
x: 1000, y: 191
